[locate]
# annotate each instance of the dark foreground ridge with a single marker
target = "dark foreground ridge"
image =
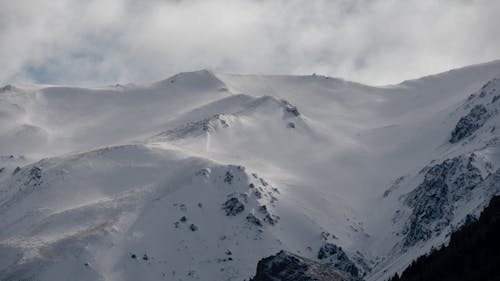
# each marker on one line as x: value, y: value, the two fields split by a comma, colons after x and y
x: 286, y: 266
x: 472, y: 254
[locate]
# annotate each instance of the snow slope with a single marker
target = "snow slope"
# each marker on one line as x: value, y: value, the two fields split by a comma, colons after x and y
x: 199, y: 176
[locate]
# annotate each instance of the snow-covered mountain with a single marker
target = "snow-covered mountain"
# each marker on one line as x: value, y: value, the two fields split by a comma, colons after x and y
x: 201, y: 175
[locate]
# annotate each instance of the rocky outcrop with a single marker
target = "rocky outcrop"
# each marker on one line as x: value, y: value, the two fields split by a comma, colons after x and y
x: 233, y: 206
x: 432, y: 200
x: 286, y: 266
x: 195, y: 129
x: 472, y: 254
x: 468, y: 124
x: 332, y: 254
x: 446, y: 187
x: 290, y: 109
x: 483, y: 106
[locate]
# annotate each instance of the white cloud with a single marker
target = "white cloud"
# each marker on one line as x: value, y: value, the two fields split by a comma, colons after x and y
x: 377, y: 41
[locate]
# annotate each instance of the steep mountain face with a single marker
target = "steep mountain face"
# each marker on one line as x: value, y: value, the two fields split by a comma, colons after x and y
x: 478, y: 239
x: 484, y: 106
x: 444, y: 188
x: 79, y: 213
x: 287, y: 266
x: 201, y: 175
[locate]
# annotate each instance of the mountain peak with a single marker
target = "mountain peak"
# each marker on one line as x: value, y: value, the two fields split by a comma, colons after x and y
x: 195, y: 80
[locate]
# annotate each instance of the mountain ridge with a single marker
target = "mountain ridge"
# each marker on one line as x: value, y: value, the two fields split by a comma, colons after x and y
x: 246, y: 166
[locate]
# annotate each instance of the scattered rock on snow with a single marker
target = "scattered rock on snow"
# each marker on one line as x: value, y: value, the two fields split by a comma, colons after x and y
x: 251, y: 218
x: 233, y: 206
x: 193, y: 227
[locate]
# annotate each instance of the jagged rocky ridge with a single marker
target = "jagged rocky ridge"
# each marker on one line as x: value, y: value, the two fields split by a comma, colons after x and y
x: 286, y: 266
x: 455, y: 182
x: 260, y: 105
x: 196, y: 128
x: 484, y: 106
x: 473, y: 252
x: 331, y: 254
x: 468, y: 124
x: 446, y: 186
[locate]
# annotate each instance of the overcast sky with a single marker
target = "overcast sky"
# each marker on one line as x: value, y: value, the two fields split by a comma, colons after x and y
x: 119, y: 41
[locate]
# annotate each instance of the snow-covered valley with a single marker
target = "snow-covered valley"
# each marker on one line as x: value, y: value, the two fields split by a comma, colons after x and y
x: 201, y: 175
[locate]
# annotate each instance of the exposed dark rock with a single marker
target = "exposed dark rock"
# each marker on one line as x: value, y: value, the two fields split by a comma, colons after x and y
x: 258, y: 194
x: 468, y: 124
x: 286, y: 266
x: 251, y: 218
x: 145, y: 257
x: 263, y: 209
x: 394, y: 186
x: 16, y: 170
x: 33, y: 176
x: 233, y: 206
x: 193, y: 227
x: 495, y: 98
x: 434, y: 200
x: 291, y: 109
x: 183, y: 219
x: 209, y: 125
x: 194, y: 129
x: 271, y: 219
x: 263, y: 182
x: 268, y: 217
x: 228, y: 177
x: 324, y: 235
x: 332, y: 254
x: 473, y: 253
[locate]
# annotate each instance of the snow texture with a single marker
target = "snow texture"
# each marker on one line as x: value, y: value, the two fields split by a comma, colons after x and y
x: 161, y: 181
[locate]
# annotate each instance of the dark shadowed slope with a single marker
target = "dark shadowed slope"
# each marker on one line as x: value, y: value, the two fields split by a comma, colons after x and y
x: 473, y: 253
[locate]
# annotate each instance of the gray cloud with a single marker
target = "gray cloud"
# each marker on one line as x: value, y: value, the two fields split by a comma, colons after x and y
x: 371, y: 41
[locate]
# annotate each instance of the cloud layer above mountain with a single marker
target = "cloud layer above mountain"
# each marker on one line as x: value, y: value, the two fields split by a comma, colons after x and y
x: 371, y: 41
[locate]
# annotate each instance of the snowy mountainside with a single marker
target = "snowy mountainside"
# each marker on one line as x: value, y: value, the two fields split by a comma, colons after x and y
x: 452, y: 187
x: 201, y: 175
x: 53, y: 217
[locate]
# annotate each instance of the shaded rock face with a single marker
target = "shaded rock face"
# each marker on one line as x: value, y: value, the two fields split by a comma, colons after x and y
x: 445, y: 187
x: 468, y: 124
x: 290, y: 109
x: 286, y: 266
x: 31, y: 177
x: 251, y: 218
x: 195, y: 128
x: 332, y: 254
x: 233, y: 206
x: 483, y: 106
x: 472, y: 254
